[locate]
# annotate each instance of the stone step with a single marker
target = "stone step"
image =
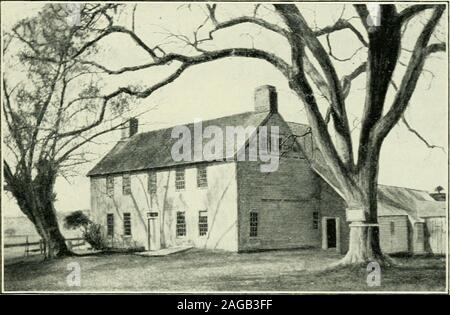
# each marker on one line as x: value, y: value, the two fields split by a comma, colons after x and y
x: 164, y: 251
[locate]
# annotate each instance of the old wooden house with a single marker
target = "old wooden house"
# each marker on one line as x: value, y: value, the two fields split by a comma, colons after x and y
x: 141, y: 195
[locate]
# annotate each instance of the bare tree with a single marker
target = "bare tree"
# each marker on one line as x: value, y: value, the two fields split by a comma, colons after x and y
x: 310, y: 71
x: 439, y: 189
x: 49, y: 100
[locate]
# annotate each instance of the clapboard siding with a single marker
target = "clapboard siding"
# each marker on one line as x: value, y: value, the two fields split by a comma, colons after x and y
x: 285, y: 207
x: 219, y: 200
x: 435, y: 235
x: 418, y: 238
x: 333, y: 206
x: 285, y: 201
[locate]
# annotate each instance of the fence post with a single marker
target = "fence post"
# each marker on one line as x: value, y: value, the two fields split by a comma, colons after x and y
x: 26, y: 246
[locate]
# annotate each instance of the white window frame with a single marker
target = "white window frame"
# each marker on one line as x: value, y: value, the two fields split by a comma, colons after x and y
x: 203, y: 214
x: 152, y: 182
x: 202, y: 177
x: 178, y: 181
x: 177, y: 228
x: 110, y: 185
x: 253, y: 228
x: 126, y: 185
x: 128, y: 214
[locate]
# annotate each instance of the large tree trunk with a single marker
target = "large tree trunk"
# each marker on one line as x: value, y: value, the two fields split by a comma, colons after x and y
x: 48, y: 228
x: 364, y: 240
x: 35, y: 198
x: 364, y: 245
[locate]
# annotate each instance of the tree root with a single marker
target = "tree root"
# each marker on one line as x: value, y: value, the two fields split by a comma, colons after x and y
x: 350, y: 259
x: 61, y: 255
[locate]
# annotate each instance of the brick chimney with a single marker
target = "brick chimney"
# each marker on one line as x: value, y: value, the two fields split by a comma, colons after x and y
x: 266, y: 99
x: 130, y: 128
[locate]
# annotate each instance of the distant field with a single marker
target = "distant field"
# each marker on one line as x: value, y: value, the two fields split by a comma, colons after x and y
x: 198, y: 270
x: 23, y: 228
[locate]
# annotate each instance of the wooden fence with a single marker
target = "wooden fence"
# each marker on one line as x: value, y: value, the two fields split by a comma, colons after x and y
x: 79, y: 241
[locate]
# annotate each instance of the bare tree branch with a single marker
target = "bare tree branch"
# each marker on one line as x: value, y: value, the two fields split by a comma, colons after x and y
x: 252, y: 20
x: 411, y: 11
x: 346, y: 80
x: 186, y: 61
x: 411, y: 76
x: 330, y: 51
x: 411, y: 129
x: 116, y: 29
x: 414, y: 131
x: 342, y: 25
x: 433, y: 48
x: 133, y: 16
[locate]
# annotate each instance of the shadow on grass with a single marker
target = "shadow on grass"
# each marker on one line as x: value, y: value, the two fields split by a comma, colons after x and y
x: 110, y: 251
x: 217, y: 271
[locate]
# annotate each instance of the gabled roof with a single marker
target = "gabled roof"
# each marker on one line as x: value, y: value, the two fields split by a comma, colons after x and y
x: 392, y: 200
x: 152, y: 149
x: 149, y: 150
x: 417, y: 203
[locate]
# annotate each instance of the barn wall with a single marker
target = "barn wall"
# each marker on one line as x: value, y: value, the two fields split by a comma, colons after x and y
x: 219, y: 199
x: 418, y: 238
x: 397, y: 242
x: 332, y: 205
x: 435, y: 235
x: 285, y: 201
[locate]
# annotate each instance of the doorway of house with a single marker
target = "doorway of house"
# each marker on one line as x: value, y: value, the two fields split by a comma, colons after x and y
x: 153, y: 231
x: 331, y: 233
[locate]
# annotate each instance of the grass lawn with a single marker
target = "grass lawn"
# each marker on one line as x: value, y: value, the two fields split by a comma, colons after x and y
x: 198, y: 270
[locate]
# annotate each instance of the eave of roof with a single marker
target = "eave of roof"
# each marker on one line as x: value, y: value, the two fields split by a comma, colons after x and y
x: 152, y: 150
x: 144, y: 152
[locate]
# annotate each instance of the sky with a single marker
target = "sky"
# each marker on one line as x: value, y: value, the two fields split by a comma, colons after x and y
x: 226, y: 87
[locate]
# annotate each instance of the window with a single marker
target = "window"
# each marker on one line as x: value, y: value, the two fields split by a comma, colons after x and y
x: 202, y: 177
x: 181, y: 223
x: 202, y: 223
x: 110, y: 224
x: 315, y: 220
x: 127, y: 224
x: 126, y: 184
x: 253, y: 224
x: 179, y: 179
x: 110, y: 185
x: 152, y: 183
x: 392, y: 228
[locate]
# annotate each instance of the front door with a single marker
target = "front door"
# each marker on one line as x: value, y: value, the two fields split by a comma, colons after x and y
x: 153, y: 231
x: 331, y: 233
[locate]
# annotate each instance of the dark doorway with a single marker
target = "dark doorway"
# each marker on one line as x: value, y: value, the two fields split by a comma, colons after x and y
x: 331, y: 233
